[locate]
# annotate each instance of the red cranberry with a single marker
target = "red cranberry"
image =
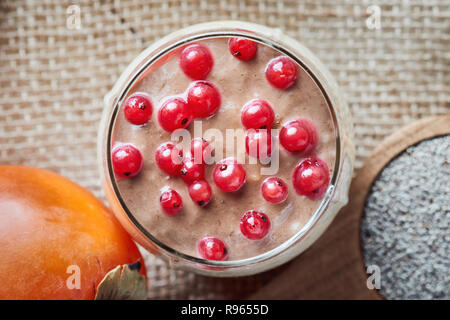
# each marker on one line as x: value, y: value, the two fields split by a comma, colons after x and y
x: 200, y: 192
x: 311, y: 177
x: 212, y: 248
x: 299, y: 135
x: 258, y: 143
x: 127, y: 161
x: 281, y: 72
x: 274, y: 190
x: 203, y: 99
x: 255, y: 225
x: 229, y: 175
x: 200, y: 150
x: 257, y: 114
x: 171, y: 202
x: 196, y: 61
x: 242, y: 49
x: 191, y: 171
x: 138, y: 108
x: 174, y: 114
x: 169, y: 158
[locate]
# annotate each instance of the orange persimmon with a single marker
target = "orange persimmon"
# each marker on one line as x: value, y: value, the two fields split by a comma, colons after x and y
x: 51, y: 229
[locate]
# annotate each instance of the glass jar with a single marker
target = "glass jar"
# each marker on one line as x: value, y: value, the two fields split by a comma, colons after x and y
x: 334, y: 198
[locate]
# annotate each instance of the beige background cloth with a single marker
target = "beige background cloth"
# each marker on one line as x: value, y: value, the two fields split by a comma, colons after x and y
x: 53, y: 79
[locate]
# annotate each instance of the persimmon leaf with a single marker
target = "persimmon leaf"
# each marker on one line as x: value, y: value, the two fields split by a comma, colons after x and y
x: 124, y: 282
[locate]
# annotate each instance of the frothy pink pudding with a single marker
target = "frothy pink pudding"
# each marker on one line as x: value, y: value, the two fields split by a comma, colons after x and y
x: 229, y: 209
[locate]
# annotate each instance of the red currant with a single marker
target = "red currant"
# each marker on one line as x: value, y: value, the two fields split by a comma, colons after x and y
x: 242, y: 49
x: 229, y: 175
x: 203, y: 99
x: 200, y: 192
x: 174, y: 114
x: 299, y: 135
x: 171, y: 202
x: 127, y: 161
x: 169, y: 158
x: 274, y: 190
x: 191, y: 171
x: 257, y: 114
x: 258, y: 143
x: 196, y: 61
x: 281, y: 72
x: 138, y: 108
x: 200, y: 150
x: 212, y: 248
x: 311, y: 177
x: 255, y: 225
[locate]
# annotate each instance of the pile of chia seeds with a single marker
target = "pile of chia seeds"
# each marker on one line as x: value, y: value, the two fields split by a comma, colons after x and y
x: 406, y: 225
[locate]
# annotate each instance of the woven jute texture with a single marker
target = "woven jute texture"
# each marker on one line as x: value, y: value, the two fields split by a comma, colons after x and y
x: 54, y: 76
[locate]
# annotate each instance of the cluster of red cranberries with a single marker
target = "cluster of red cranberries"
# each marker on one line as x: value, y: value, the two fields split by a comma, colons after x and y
x: 201, y: 100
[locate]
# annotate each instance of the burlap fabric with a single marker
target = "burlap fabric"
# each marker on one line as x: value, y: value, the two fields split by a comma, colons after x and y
x: 54, y: 76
